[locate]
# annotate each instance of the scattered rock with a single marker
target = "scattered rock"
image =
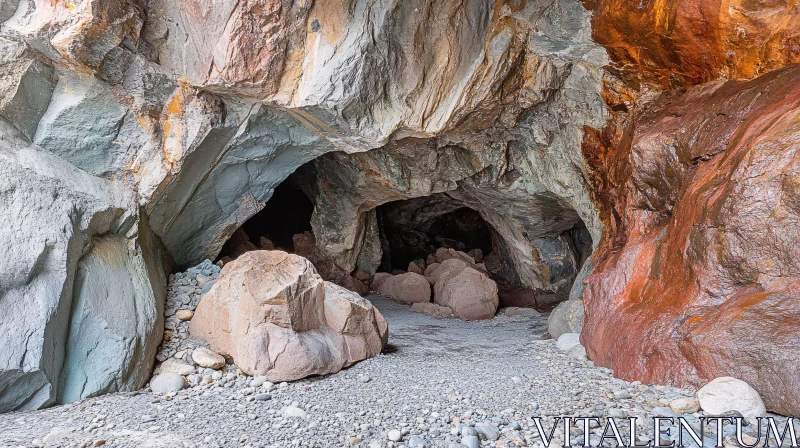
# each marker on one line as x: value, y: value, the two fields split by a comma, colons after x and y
x: 394, y: 435
x: 208, y: 358
x: 568, y: 340
x: 685, y: 405
x: 469, y: 293
x: 432, y: 309
x: 167, y: 382
x: 409, y: 288
x: 178, y: 366
x: 730, y: 394
x: 184, y: 315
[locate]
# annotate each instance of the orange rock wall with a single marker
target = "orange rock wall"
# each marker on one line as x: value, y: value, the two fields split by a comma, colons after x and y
x: 696, y: 179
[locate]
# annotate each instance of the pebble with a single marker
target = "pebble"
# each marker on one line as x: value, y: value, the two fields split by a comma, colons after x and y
x: 208, y: 358
x: 394, y: 435
x: 167, y: 382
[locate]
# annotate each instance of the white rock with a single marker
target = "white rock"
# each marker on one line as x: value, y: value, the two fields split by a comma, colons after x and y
x: 568, y: 340
x: 730, y: 394
x: 394, y: 435
x: 207, y: 358
x: 685, y: 405
x: 178, y: 366
x: 167, y: 382
x: 293, y: 411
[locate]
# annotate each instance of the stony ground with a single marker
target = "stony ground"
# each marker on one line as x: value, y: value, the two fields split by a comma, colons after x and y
x: 439, y: 381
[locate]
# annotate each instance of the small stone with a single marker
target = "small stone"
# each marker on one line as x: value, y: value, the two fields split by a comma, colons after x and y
x: 416, y: 442
x: 294, y: 411
x: 178, y: 366
x: 208, y: 358
x: 263, y: 397
x: 258, y: 381
x: 184, y: 315
x: 167, y: 382
x: 661, y: 411
x: 394, y: 435
x: 685, y: 405
x: 622, y: 394
x: 487, y: 431
x: 568, y: 340
x: 471, y: 442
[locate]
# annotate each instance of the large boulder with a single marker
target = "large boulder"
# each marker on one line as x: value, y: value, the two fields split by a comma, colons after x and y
x: 469, y: 293
x: 409, y: 287
x: 269, y: 311
x: 567, y: 317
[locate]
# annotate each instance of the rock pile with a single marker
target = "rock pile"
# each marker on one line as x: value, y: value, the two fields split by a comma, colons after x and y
x: 461, y: 286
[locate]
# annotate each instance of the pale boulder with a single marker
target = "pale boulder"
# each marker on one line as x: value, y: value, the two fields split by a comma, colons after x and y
x: 730, y: 394
x: 208, y: 358
x: 444, y: 268
x: 414, y: 267
x: 567, y: 317
x: 268, y: 312
x: 469, y: 293
x: 177, y: 366
x: 378, y: 280
x: 408, y: 287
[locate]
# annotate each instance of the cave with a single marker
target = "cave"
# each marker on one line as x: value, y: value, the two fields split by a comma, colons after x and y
x: 408, y: 233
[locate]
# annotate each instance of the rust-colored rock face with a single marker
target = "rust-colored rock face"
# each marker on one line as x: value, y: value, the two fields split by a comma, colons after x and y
x: 684, y: 42
x: 702, y: 278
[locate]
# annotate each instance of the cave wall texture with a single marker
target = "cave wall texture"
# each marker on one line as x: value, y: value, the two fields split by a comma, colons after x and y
x: 140, y: 134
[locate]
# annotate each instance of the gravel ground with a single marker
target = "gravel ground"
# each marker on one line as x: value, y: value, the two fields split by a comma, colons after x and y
x: 438, y: 382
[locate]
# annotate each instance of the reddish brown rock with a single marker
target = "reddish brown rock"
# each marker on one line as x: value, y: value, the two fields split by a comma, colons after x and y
x: 408, y: 287
x: 273, y: 314
x: 469, y: 293
x: 677, y: 43
x: 699, y: 277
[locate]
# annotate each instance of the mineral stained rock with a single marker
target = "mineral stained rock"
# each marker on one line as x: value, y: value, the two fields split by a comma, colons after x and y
x: 274, y: 315
x: 705, y: 283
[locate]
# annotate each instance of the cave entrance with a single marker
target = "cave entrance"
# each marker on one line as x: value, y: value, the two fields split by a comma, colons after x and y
x: 287, y: 213
x: 533, y: 270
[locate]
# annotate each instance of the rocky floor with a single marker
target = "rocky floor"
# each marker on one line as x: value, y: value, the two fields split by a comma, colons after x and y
x: 440, y: 381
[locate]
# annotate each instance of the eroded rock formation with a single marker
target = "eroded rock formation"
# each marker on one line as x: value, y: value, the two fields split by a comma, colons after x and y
x: 274, y: 315
x: 696, y: 276
x: 663, y: 135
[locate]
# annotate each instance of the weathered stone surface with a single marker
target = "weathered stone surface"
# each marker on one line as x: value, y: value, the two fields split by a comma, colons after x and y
x: 673, y: 44
x: 469, y: 293
x: 267, y: 311
x: 26, y: 86
x: 305, y: 246
x: 730, y: 394
x: 409, y: 287
x: 365, y: 330
x: 567, y: 317
x: 53, y: 317
x: 698, y: 279
x: 444, y: 268
x: 115, y: 326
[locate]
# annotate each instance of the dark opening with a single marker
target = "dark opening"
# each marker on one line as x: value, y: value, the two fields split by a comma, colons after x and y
x: 287, y: 213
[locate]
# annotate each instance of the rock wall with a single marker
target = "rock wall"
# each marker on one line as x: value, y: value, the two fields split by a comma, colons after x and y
x: 694, y: 177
